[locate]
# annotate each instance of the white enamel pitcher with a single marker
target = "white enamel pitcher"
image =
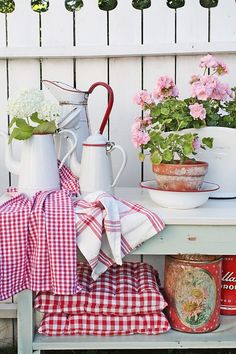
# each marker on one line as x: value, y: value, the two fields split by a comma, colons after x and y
x: 95, y: 173
x: 37, y: 169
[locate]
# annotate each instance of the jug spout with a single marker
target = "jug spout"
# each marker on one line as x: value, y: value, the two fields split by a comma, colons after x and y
x: 12, y: 165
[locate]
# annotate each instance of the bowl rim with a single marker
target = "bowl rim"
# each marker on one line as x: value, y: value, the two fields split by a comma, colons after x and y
x: 193, y: 191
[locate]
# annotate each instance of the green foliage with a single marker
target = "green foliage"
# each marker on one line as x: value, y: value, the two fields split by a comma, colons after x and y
x: 40, y: 5
x: 141, y: 4
x: 209, y: 3
x: 107, y: 5
x: 175, y: 4
x: 73, y: 5
x: 7, y: 6
x: 23, y: 129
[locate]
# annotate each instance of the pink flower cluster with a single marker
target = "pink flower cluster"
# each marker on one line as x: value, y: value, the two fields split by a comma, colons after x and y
x: 209, y: 87
x: 143, y: 97
x: 165, y: 87
x: 197, y: 111
x: 208, y: 61
x: 139, y: 136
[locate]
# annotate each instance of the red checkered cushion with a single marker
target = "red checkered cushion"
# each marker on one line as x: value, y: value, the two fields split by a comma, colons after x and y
x: 103, y: 325
x: 129, y: 289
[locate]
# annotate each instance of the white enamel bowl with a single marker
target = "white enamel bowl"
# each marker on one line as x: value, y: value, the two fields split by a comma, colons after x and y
x: 179, y: 200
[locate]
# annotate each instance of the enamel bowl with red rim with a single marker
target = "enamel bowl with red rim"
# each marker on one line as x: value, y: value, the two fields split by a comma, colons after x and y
x: 179, y: 200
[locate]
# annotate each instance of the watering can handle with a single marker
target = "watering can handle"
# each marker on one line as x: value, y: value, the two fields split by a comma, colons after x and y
x: 110, y: 102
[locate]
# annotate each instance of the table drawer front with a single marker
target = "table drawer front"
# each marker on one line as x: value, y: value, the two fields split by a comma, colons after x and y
x: 176, y: 239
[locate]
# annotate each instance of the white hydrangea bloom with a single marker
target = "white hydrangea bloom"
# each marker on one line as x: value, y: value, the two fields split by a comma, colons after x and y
x: 31, y: 101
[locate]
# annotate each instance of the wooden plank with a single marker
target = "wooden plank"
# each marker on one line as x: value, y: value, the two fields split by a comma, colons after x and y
x: 22, y: 32
x: 158, y: 24
x: 57, y: 25
x: 222, y: 25
x: 223, y: 337
x: 131, y: 50
x: 8, y: 310
x: 125, y: 78
x: 25, y: 328
x: 3, y: 31
x: 90, y: 25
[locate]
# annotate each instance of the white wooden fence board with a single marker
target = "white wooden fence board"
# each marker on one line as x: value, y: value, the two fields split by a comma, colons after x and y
x: 2, y: 31
x: 153, y: 68
x: 158, y: 24
x: 124, y: 112
x: 4, y: 179
x: 186, y: 67
x: 223, y: 26
x: 58, y: 70
x: 23, y: 26
x: 91, y: 24
x: 125, y: 24
x: 192, y: 23
x: 57, y: 25
x: 89, y: 71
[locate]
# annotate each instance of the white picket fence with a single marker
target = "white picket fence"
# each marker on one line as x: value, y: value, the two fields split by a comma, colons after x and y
x: 127, y: 48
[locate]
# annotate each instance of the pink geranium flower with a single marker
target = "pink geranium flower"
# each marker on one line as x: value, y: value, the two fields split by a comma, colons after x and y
x: 143, y: 97
x: 222, y: 68
x: 208, y: 61
x: 196, y: 144
x: 165, y: 87
x: 197, y: 111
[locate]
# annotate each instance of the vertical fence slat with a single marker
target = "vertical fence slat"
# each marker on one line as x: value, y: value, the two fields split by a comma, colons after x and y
x: 91, y: 28
x: 91, y: 24
x: 125, y: 78
x: 158, y: 23
x: 22, y: 26
x: 223, y: 22
x: 2, y: 31
x: 57, y: 25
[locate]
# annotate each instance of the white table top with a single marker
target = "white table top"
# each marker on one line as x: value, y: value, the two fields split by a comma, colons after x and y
x: 214, y: 212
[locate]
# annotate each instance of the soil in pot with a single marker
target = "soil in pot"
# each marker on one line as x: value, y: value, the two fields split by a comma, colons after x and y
x: 180, y: 177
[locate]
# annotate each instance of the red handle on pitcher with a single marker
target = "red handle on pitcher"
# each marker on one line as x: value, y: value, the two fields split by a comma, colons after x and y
x: 110, y: 102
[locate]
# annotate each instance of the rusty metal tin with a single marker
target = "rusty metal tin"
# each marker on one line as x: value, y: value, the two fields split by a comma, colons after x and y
x: 192, y: 286
x: 228, y: 286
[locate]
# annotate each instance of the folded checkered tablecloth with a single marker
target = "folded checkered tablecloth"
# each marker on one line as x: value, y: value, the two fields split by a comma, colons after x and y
x: 38, y: 241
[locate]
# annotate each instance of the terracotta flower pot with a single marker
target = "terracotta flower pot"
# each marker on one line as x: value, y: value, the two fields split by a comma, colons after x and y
x: 180, y: 177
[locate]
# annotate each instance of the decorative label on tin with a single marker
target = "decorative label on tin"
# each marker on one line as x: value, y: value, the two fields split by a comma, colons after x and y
x: 192, y: 290
x: 195, y: 296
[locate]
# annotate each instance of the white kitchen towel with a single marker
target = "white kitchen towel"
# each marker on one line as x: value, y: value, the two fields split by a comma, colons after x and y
x: 109, y: 228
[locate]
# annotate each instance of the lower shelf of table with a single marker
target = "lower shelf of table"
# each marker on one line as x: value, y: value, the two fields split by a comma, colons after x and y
x: 222, y: 337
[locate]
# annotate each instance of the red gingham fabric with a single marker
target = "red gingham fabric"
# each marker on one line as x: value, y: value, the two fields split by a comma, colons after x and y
x: 109, y: 228
x: 129, y: 289
x: 38, y: 244
x: 103, y: 325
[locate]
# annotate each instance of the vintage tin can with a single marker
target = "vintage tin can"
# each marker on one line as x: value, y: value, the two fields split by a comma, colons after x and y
x: 192, y: 286
x: 228, y: 286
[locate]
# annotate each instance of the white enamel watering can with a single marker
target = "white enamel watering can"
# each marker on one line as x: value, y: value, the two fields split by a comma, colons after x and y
x: 37, y: 169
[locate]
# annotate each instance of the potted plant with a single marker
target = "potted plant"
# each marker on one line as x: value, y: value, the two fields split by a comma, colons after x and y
x: 160, y: 134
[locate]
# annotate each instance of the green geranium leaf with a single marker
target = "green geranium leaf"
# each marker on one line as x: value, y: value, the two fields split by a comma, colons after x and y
x: 208, y: 142
x: 19, y: 134
x: 45, y: 128
x: 187, y: 149
x: 168, y: 155
x: 165, y: 111
x: 156, y: 158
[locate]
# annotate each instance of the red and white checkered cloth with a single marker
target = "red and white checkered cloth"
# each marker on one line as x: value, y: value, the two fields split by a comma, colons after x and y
x: 129, y: 289
x: 38, y: 243
x: 103, y: 325
x: 109, y: 228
